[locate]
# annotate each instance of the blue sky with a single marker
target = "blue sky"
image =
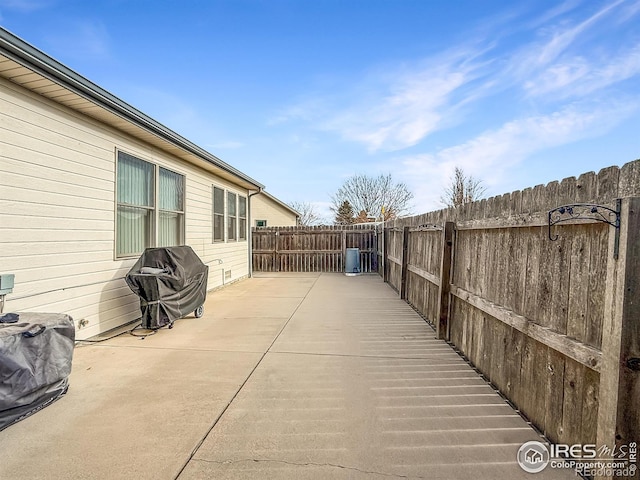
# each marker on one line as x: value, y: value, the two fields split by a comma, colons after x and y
x: 303, y: 94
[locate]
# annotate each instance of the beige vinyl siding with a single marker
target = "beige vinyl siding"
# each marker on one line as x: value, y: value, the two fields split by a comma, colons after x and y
x: 57, y: 213
x: 263, y: 208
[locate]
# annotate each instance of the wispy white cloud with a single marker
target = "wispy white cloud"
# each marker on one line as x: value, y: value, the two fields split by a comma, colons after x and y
x: 308, y: 109
x: 81, y: 39
x: 396, y: 107
x: 492, y: 154
x: 629, y: 10
x: 562, y: 38
x: 561, y: 81
x: 409, y: 109
x: 25, y: 6
x: 553, y: 13
x: 566, y: 62
x: 400, y: 108
x: 578, y: 76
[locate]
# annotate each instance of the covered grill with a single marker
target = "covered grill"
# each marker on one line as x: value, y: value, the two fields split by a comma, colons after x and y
x: 36, y: 350
x: 171, y: 283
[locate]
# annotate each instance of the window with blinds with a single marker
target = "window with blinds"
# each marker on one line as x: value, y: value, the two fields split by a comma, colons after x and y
x: 232, y: 217
x: 242, y: 218
x: 218, y: 214
x: 171, y: 208
x: 149, y: 212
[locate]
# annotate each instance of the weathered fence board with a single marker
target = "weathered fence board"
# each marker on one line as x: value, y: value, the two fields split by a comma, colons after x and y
x: 444, y: 285
x: 549, y: 323
x: 312, y: 249
x: 619, y: 391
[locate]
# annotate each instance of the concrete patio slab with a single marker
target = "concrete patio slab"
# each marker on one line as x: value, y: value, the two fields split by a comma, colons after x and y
x: 356, y: 386
x: 252, y: 334
x: 137, y: 408
x: 286, y: 376
x: 274, y: 286
x: 129, y: 413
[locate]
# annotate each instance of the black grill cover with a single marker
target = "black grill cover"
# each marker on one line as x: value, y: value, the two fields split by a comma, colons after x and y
x: 36, y: 350
x: 170, y: 281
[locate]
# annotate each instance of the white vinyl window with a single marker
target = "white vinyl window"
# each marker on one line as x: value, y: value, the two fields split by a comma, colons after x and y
x: 150, y: 206
x: 232, y: 217
x: 229, y: 216
x: 242, y: 218
x: 218, y: 214
x: 171, y: 203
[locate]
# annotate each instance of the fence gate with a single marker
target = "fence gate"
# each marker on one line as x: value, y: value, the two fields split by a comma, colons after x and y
x: 313, y: 249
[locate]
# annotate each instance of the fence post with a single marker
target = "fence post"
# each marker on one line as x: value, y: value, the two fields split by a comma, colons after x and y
x: 444, y: 297
x: 276, y: 256
x: 618, y: 413
x: 405, y: 262
x: 344, y: 250
x: 385, y: 253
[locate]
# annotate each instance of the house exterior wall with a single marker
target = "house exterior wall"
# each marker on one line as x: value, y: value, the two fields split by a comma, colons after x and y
x: 263, y: 208
x: 57, y: 213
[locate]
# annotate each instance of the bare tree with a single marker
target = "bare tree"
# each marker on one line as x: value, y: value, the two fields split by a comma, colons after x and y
x: 379, y: 197
x: 462, y: 189
x: 308, y: 213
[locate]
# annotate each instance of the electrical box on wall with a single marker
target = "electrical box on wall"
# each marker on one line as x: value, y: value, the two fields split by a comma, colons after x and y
x: 6, y: 283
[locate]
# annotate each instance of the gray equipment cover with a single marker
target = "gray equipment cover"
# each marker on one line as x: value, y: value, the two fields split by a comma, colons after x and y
x: 36, y: 351
x: 171, y: 283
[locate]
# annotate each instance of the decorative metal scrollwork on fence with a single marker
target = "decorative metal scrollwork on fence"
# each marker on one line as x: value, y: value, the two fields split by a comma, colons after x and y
x: 427, y: 227
x: 587, y: 211
x: 584, y: 211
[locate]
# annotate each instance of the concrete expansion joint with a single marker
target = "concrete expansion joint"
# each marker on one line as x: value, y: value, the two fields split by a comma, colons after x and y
x: 306, y: 464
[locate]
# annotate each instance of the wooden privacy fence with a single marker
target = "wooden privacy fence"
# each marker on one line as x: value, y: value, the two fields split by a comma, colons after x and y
x: 550, y: 315
x: 312, y: 249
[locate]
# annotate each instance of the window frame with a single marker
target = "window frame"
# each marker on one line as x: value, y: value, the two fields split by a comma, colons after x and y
x: 154, y: 209
x: 232, y: 228
x: 260, y: 221
x: 234, y: 197
x: 242, y: 220
x: 214, y: 214
x: 181, y: 213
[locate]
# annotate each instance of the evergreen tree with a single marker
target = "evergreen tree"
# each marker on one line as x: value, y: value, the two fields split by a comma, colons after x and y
x: 344, y: 215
